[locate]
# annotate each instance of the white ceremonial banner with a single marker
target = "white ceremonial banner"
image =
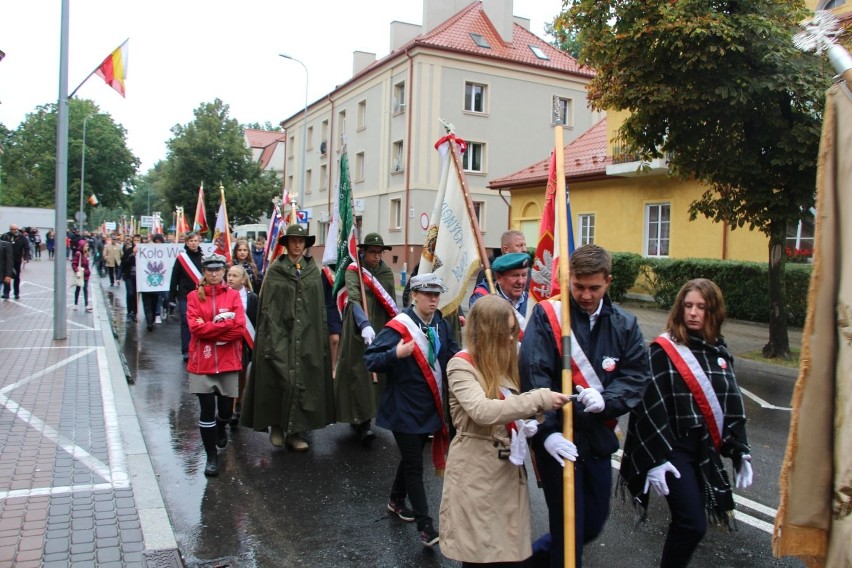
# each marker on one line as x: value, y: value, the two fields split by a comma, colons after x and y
x: 154, y: 264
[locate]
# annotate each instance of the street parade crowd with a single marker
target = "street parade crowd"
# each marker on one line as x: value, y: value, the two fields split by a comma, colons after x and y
x: 268, y: 348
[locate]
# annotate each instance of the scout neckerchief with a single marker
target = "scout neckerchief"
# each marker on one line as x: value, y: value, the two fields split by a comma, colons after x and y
x: 405, y: 326
x: 699, y: 385
x: 510, y: 426
x: 189, y: 267
x: 377, y: 289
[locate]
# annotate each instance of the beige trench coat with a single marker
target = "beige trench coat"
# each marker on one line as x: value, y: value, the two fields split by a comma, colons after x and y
x: 485, y: 505
x: 112, y: 255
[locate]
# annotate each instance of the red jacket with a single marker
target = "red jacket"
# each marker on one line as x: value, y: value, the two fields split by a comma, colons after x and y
x: 215, y: 347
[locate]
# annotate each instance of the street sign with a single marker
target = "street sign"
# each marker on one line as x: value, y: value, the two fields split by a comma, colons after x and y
x: 146, y: 221
x: 302, y: 216
x: 77, y: 216
x: 111, y: 225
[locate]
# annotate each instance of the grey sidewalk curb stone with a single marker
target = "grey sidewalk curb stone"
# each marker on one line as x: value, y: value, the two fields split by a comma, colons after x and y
x: 153, y: 516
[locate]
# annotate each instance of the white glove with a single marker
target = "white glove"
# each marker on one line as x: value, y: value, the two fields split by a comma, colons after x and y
x: 224, y: 316
x: 591, y: 399
x: 745, y: 473
x: 656, y: 478
x: 560, y: 448
x: 517, y: 449
x: 368, y: 335
x: 528, y: 427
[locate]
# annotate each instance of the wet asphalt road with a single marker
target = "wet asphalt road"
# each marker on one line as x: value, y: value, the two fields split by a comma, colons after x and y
x: 326, y: 508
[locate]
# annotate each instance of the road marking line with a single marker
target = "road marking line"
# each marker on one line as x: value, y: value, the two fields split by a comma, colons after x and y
x: 755, y: 506
x: 756, y: 523
x: 117, y: 459
x: 54, y: 490
x: 43, y: 372
x: 762, y: 402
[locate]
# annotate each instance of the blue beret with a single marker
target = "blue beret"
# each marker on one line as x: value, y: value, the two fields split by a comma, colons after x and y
x: 510, y: 261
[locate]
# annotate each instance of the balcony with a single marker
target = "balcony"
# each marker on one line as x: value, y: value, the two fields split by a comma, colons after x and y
x: 627, y: 162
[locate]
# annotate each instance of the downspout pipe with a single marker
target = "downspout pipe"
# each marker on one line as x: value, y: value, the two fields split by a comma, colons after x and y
x: 408, y: 109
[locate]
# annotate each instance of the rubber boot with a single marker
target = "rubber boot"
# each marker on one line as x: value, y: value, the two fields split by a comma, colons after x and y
x: 208, y: 438
x: 222, y: 433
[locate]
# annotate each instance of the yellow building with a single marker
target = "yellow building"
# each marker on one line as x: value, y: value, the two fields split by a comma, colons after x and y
x: 625, y: 208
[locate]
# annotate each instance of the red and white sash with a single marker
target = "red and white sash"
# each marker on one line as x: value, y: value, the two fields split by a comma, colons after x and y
x: 405, y: 326
x: 329, y: 275
x: 189, y: 267
x: 582, y: 372
x: 699, y: 384
x: 377, y: 289
x: 249, y: 333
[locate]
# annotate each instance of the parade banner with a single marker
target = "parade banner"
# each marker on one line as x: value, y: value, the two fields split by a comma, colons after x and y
x: 155, y: 262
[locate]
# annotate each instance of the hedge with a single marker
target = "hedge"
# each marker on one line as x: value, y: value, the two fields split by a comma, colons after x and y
x: 745, y: 285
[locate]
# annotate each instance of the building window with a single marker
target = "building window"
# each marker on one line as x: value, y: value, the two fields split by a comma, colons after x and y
x: 565, y: 107
x: 473, y: 158
x: 830, y: 4
x: 398, y: 102
x: 395, y: 214
x: 290, y: 183
x: 322, y: 232
x: 291, y: 145
x: 474, y: 97
x: 479, y: 211
x: 657, y: 226
x: 397, y: 157
x: 323, y: 177
x: 538, y: 52
x: 362, y: 115
x: 587, y: 229
x: 360, y: 166
x: 308, y: 180
x: 479, y: 41
x: 341, y: 123
x: 800, y: 239
x: 310, y: 141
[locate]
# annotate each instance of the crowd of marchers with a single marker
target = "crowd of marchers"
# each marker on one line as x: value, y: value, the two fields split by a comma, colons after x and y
x: 272, y: 347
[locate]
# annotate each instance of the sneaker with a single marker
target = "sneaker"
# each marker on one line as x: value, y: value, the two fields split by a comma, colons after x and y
x: 158, y: 320
x: 296, y: 443
x: 397, y: 507
x: 429, y: 536
x: 88, y: 308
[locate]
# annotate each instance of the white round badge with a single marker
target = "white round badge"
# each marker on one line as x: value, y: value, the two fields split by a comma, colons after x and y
x: 722, y: 363
x: 608, y: 364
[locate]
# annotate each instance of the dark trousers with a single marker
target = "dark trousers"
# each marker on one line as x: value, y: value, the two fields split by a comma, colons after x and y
x: 592, y: 491
x: 16, y: 282
x: 184, y: 327
x: 149, y: 306
x: 111, y: 273
x: 85, y: 288
x: 686, y: 503
x: 409, y: 476
x: 130, y: 291
x: 521, y: 564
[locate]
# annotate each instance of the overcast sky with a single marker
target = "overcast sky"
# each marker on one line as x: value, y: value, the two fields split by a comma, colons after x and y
x: 186, y: 52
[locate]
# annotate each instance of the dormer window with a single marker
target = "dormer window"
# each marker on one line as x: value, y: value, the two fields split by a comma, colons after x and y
x: 537, y: 51
x: 479, y: 41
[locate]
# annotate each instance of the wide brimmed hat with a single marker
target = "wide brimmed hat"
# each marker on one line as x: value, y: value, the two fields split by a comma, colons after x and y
x: 511, y: 261
x: 427, y: 282
x: 374, y: 240
x: 214, y: 261
x: 297, y: 231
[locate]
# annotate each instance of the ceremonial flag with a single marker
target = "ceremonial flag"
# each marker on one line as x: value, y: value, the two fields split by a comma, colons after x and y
x: 451, y: 250
x: 329, y: 255
x: 276, y: 249
x: 182, y: 226
x: 272, y: 234
x: 222, y: 230
x: 814, y: 520
x: 545, y: 284
x: 346, y: 240
x: 114, y: 68
x: 93, y: 199
x: 199, y: 225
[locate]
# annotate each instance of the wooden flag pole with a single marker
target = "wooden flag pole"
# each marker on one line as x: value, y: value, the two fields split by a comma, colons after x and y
x: 480, y: 246
x: 568, y: 501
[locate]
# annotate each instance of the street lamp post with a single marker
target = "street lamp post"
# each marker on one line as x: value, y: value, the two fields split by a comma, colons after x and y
x: 301, y: 202
x: 83, y: 170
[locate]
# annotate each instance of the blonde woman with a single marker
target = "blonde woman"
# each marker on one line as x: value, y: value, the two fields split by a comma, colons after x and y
x: 485, y: 508
x: 238, y: 279
x: 241, y: 256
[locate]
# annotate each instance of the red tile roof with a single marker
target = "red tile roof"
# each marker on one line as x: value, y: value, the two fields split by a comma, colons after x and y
x: 585, y: 158
x: 263, y: 138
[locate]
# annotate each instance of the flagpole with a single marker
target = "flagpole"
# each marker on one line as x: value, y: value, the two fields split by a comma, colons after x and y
x: 568, y: 507
x: 477, y: 234
x: 95, y: 70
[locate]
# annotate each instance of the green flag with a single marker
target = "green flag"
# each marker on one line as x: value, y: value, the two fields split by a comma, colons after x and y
x: 345, y: 232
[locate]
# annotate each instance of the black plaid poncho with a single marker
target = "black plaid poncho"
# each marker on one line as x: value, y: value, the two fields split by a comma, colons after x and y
x: 668, y: 410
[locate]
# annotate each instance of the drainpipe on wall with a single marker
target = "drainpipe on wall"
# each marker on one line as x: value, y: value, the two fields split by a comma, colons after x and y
x: 508, y: 208
x: 724, y: 240
x: 409, y: 89
x: 284, y: 169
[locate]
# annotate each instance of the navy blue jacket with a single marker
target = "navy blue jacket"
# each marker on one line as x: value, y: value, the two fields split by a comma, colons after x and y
x: 407, y: 405
x: 616, y: 336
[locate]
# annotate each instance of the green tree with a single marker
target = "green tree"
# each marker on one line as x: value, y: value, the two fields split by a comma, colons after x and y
x: 719, y: 87
x: 29, y: 163
x: 211, y: 150
x: 564, y: 37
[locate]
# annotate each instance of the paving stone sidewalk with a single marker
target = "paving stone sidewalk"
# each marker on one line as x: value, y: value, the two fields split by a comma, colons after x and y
x: 76, y: 483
